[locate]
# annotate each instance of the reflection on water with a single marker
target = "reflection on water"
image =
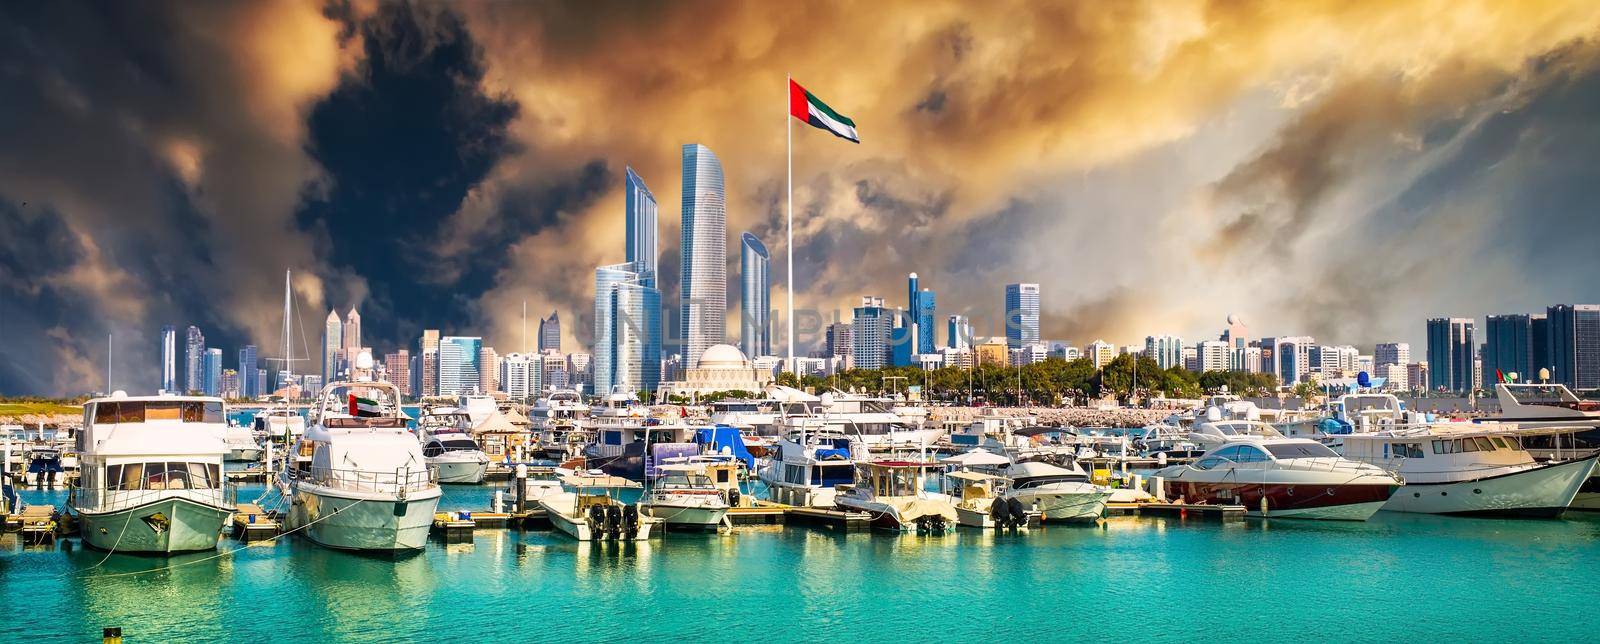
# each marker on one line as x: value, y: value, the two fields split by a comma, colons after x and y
x: 1277, y: 580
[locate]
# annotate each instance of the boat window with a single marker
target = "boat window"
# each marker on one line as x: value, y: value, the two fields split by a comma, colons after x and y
x: 1466, y: 444
x: 612, y: 437
x: 1248, y: 454
x: 460, y: 444
x: 1230, y: 453
x: 432, y: 449
x: 1441, y: 447
x: 1498, y: 442
x: 1209, y: 462
x: 113, y: 477
x: 1484, y: 444
x: 1306, y: 450
x: 831, y: 475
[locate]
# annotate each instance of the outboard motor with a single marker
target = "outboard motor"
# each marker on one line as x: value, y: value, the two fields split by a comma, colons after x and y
x: 597, y: 519
x: 613, y: 520
x: 630, y: 521
x: 1000, y: 512
x: 1019, y: 514
x: 732, y: 497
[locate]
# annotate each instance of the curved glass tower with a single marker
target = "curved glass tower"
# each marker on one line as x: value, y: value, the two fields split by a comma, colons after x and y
x: 755, y: 301
x: 703, y: 291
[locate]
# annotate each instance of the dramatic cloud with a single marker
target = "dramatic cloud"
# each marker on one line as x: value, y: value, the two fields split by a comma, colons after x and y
x: 1342, y: 169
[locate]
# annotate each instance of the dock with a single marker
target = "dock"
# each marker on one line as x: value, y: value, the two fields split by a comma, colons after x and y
x: 251, y: 523
x: 1177, y: 510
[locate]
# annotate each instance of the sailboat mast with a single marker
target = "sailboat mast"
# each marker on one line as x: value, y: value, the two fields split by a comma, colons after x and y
x: 288, y: 366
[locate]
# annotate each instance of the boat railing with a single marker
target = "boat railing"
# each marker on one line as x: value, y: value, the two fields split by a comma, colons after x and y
x: 102, y: 499
x: 404, y: 479
x: 1330, y: 464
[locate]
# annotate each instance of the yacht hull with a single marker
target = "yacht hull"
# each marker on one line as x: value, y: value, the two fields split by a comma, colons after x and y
x: 1065, y: 505
x: 347, y: 523
x: 578, y: 527
x: 462, y: 472
x: 165, y: 526
x: 1541, y: 492
x: 687, y: 516
x: 1353, y: 502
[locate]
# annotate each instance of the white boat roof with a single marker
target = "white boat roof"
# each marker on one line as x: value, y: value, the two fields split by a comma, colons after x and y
x: 1039, y: 468
x: 592, y: 480
x: 966, y: 475
x: 976, y: 457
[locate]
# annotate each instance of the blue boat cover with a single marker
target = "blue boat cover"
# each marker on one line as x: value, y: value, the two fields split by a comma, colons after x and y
x: 722, y: 436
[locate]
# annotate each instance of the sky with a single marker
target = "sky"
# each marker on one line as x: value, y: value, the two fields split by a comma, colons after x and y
x: 1340, y: 169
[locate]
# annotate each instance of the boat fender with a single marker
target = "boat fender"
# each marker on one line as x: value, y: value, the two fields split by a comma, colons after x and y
x: 1019, y: 514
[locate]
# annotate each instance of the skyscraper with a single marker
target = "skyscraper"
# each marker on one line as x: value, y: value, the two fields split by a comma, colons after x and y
x: 1167, y: 351
x: 838, y: 339
x: 919, y: 311
x: 640, y: 223
x: 515, y: 375
x: 169, y: 358
x: 550, y: 333
x: 247, y: 372
x: 627, y: 331
x: 458, y: 365
x: 958, y: 332
x: 1294, y: 358
x: 1539, y: 337
x: 488, y: 370
x: 755, y: 306
x: 194, y: 360
x: 1022, y: 314
x: 1390, y: 353
x: 352, y: 336
x: 869, y: 334
x: 212, y: 368
x: 428, y: 361
x: 1575, y: 345
x: 332, y: 346
x: 1451, y: 353
x: 703, y: 290
x: 398, y: 366
x: 1508, y: 347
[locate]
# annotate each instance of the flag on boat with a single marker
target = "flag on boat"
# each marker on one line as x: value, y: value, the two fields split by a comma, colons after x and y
x: 806, y: 107
x: 364, y: 407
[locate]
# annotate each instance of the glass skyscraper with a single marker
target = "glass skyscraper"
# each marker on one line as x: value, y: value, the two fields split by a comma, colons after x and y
x: 550, y: 333
x: 1022, y: 314
x: 919, y: 308
x: 755, y: 301
x: 640, y: 223
x: 869, y: 334
x: 332, y: 346
x: 194, y: 360
x: 627, y: 330
x: 247, y: 372
x: 1509, y: 347
x: 211, y: 365
x: 169, y: 358
x: 1575, y: 345
x: 703, y: 290
x: 458, y: 365
x: 1450, y: 353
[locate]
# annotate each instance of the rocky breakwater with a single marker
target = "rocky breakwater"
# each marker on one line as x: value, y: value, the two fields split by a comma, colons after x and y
x: 1073, y: 416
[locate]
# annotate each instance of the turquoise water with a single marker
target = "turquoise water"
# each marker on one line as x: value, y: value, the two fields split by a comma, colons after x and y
x: 1396, y: 578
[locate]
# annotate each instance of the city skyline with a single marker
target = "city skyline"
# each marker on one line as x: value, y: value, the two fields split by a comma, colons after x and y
x: 1334, y: 177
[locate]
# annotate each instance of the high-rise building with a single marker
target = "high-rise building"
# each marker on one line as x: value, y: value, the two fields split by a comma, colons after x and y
x: 1388, y: 353
x: 1334, y: 361
x: 1212, y: 355
x: 1166, y: 350
x: 920, y: 306
x: 1100, y: 353
x: 428, y: 363
x: 992, y: 351
x: 247, y: 371
x: 1247, y: 360
x: 550, y: 333
x: 1022, y: 314
x: 958, y: 332
x: 1237, y: 335
x: 1508, y: 349
x: 458, y: 365
x: 212, y: 368
x: 580, y: 370
x: 194, y: 360
x: 1451, y: 354
x: 627, y: 331
x: 398, y: 366
x: 838, y: 339
x: 352, y: 336
x: 169, y: 358
x: 515, y: 377
x: 553, y: 371
x: 1294, y: 358
x: 640, y: 222
x: 902, y: 346
x: 869, y: 334
x: 755, y: 295
x: 260, y: 378
x: 703, y: 290
x: 228, y: 382
x: 488, y: 370
x: 332, y: 346
x: 1539, y: 339
x: 1417, y: 375
x: 1575, y: 345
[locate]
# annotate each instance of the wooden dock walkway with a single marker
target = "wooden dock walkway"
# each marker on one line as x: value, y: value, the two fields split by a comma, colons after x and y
x: 251, y: 523
x: 1178, y: 510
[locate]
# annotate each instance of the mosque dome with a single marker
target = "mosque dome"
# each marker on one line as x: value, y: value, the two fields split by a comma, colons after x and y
x: 723, y: 355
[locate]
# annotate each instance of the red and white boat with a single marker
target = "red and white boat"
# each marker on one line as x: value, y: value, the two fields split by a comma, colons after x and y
x: 1283, y: 477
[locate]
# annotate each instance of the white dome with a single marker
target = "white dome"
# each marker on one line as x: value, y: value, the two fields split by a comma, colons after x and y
x: 723, y: 355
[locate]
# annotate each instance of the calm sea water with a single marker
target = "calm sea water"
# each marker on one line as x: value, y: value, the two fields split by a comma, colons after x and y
x: 1396, y: 578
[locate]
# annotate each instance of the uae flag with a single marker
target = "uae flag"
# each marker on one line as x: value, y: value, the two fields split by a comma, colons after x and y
x: 364, y: 407
x: 806, y: 107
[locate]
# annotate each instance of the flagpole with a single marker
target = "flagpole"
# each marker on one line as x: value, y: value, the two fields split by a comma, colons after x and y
x: 788, y: 130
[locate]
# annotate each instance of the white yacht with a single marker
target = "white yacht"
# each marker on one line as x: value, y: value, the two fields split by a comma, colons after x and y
x: 282, y: 425
x: 151, y: 473
x: 558, y: 420
x: 991, y: 430
x: 1057, y: 493
x: 892, y: 493
x: 242, y: 444
x: 1573, y: 426
x: 629, y: 440
x: 808, y: 462
x: 1470, y: 469
x: 367, y: 486
x: 684, y: 495
x: 478, y: 407
x: 1211, y: 434
x: 448, y: 447
x: 589, y: 513
x: 882, y: 424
